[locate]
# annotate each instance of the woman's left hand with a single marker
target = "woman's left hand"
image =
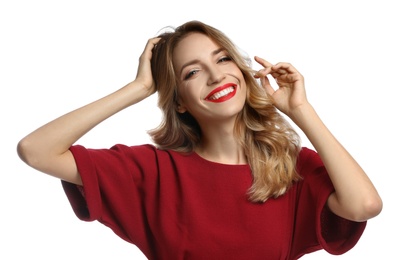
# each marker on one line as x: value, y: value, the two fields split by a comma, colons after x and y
x: 290, y: 94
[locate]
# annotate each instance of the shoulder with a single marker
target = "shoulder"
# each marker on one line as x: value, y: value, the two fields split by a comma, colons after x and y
x: 149, y: 153
x: 309, y: 162
x: 144, y: 150
x: 306, y: 152
x: 122, y: 151
x: 307, y: 155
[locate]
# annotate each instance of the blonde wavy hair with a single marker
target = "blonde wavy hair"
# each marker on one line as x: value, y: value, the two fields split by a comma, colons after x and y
x: 270, y: 143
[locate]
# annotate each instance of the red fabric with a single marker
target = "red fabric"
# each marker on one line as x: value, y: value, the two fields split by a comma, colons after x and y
x: 175, y: 206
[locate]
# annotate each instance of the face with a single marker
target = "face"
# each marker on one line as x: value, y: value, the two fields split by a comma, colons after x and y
x: 211, y: 86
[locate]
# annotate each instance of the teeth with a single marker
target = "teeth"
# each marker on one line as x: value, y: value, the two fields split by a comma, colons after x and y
x: 222, y: 93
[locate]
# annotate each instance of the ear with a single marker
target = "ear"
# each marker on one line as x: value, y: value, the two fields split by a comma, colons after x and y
x: 180, y: 108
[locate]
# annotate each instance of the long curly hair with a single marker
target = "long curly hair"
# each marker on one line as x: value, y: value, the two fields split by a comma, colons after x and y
x: 270, y: 143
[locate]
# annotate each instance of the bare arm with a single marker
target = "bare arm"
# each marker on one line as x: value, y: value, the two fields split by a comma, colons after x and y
x: 355, y: 196
x: 47, y: 148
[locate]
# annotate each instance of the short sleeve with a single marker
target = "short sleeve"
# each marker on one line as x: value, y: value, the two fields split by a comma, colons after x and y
x: 86, y: 200
x: 111, y: 187
x: 316, y: 227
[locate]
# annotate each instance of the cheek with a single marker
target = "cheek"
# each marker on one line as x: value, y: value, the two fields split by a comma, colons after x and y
x: 187, y: 93
x: 235, y: 71
x: 243, y: 92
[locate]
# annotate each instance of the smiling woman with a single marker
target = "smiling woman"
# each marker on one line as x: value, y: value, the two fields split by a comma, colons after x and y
x: 227, y: 177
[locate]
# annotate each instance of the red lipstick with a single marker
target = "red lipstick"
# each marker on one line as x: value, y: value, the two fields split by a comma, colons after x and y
x: 222, y: 93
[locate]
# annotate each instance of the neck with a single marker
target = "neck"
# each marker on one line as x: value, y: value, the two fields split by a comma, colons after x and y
x: 219, y: 144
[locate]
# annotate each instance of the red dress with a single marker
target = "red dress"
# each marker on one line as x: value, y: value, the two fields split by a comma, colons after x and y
x: 175, y: 206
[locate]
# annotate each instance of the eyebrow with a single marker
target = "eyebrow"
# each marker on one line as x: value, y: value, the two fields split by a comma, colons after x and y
x: 215, y: 52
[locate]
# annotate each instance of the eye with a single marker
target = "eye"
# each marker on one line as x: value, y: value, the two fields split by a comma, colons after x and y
x: 190, y: 74
x: 224, y: 59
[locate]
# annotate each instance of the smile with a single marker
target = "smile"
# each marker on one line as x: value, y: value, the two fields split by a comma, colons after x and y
x: 222, y: 93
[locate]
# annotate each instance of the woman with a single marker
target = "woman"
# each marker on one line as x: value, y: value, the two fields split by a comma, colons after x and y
x: 227, y: 178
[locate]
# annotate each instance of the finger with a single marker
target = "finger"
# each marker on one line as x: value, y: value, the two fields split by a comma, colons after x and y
x: 266, y: 84
x: 284, y: 68
x: 262, y: 73
x: 151, y: 43
x: 276, y: 75
x: 267, y: 67
x: 263, y: 62
x: 264, y: 81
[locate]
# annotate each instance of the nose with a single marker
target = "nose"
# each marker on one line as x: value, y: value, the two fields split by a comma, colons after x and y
x: 215, y: 75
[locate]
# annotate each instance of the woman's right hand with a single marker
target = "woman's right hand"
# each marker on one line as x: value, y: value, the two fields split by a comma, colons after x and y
x: 144, y: 74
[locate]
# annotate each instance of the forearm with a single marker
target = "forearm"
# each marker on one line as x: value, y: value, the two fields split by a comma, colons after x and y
x: 44, y: 145
x: 355, y: 196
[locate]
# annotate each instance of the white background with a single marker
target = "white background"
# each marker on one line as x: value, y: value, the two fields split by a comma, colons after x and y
x: 58, y: 55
